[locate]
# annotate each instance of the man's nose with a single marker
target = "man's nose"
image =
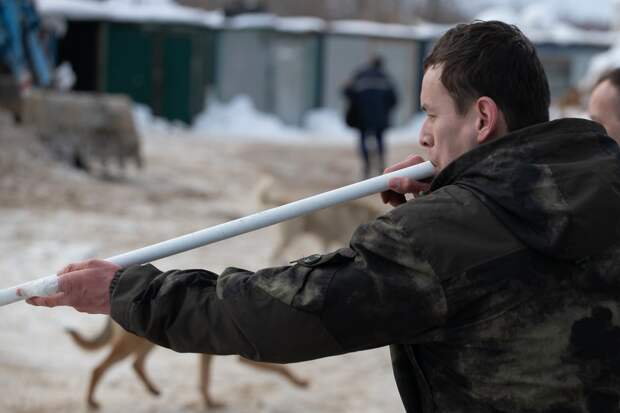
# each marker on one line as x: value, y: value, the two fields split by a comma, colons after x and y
x: 425, y: 139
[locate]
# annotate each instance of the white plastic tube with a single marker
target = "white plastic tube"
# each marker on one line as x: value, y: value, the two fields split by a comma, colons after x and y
x: 49, y: 285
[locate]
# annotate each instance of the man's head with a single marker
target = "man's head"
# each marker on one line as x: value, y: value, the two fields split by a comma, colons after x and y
x: 604, y: 104
x: 376, y: 62
x: 481, y: 80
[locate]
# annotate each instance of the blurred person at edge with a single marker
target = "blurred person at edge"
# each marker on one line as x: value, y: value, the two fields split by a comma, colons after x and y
x: 496, y: 287
x: 604, y: 103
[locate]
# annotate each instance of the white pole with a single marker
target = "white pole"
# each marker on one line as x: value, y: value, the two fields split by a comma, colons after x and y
x: 49, y: 285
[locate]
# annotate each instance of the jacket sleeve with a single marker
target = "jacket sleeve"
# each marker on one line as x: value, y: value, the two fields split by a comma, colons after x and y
x: 375, y: 293
x: 392, y: 95
x: 348, y: 92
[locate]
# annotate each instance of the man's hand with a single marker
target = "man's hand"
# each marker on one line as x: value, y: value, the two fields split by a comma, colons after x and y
x: 83, y: 286
x: 401, y: 185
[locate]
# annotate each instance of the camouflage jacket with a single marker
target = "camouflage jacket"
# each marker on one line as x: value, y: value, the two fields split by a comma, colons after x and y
x: 497, y: 292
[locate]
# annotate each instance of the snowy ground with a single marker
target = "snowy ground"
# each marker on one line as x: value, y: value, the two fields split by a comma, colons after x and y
x: 51, y: 215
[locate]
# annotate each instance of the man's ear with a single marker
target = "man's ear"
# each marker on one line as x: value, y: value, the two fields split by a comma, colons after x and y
x: 490, y: 123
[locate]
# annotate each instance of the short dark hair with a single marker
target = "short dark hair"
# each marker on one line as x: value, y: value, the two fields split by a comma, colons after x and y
x: 494, y: 59
x: 376, y: 62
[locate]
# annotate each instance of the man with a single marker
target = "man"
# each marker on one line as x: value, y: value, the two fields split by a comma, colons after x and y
x: 604, y: 104
x: 496, y: 291
x: 370, y: 97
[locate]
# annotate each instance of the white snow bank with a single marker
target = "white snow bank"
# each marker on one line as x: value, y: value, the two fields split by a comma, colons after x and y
x: 593, y: 13
x: 553, y: 21
x: 238, y: 119
x: 265, y: 20
x: 376, y: 29
x: 146, y: 123
x: 134, y: 11
x: 327, y: 122
x: 505, y: 14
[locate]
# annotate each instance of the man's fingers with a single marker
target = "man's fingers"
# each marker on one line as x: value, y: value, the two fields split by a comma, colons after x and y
x: 393, y: 198
x: 410, y: 161
x: 75, y: 266
x: 50, y: 301
x: 407, y: 186
x: 82, y: 265
x: 85, y: 289
x: 401, y: 186
x: 385, y: 197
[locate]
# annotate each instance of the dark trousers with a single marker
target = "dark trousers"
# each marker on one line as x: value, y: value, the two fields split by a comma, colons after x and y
x: 366, y: 156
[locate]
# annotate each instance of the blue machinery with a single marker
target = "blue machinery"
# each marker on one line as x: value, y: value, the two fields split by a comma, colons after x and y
x: 21, y: 45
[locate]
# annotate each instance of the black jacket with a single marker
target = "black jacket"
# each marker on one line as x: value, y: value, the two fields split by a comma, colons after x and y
x: 370, y: 98
x: 497, y: 292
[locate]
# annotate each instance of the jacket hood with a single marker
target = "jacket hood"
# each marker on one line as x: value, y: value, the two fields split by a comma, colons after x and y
x: 555, y: 185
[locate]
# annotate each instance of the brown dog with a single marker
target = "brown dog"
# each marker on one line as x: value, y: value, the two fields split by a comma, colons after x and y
x: 125, y: 344
x: 333, y: 225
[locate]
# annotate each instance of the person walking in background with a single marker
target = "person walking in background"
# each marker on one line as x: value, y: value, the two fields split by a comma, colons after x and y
x: 371, y: 96
x: 604, y: 104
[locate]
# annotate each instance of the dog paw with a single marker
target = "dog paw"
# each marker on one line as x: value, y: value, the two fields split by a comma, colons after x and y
x: 214, y: 404
x: 93, y: 405
x: 154, y: 391
x: 301, y: 383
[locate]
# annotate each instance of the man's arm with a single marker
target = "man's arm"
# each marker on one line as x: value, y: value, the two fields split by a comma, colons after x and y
x: 379, y: 291
x: 375, y: 293
x: 239, y: 312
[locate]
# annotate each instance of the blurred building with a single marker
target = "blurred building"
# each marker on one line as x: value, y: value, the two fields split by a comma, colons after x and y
x: 401, y: 11
x: 276, y: 62
x: 158, y: 54
x: 170, y: 57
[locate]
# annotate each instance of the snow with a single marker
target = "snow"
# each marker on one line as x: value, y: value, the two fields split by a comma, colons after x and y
x: 264, y: 20
x: 64, y: 76
x: 239, y: 120
x: 369, y: 28
x: 300, y: 24
x: 502, y: 13
x: 130, y: 11
x: 326, y: 121
x: 548, y: 22
x: 552, y: 20
x: 593, y: 13
x: 167, y: 11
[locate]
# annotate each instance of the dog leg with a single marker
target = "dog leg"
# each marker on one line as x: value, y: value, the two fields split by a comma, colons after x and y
x: 117, y: 354
x: 138, y: 367
x: 289, y: 230
x: 279, y: 369
x: 205, y: 378
x: 278, y: 251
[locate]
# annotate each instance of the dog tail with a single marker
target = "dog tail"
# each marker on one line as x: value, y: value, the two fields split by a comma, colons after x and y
x: 96, y: 342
